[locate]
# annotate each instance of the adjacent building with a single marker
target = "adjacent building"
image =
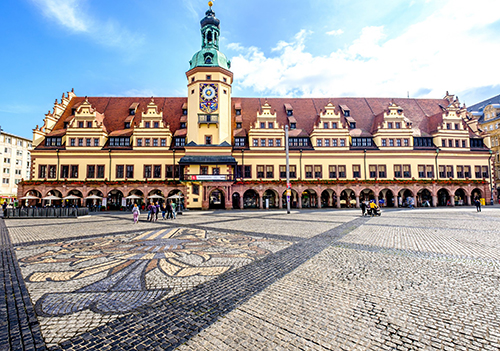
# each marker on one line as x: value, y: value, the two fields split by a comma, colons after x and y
x: 15, y: 164
x: 487, y: 114
x: 214, y: 150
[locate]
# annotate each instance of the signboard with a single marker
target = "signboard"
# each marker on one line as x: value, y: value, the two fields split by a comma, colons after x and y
x: 288, y: 185
x: 104, y: 202
x: 208, y: 177
x: 288, y: 192
x: 124, y: 202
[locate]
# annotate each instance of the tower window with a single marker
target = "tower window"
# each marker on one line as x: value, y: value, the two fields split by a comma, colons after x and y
x: 209, y: 77
x: 192, y: 79
x: 224, y: 79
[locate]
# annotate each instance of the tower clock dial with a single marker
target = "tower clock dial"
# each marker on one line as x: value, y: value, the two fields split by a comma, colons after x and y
x: 209, y: 101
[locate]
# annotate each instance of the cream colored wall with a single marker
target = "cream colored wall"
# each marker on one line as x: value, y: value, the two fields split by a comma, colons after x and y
x: 19, y: 163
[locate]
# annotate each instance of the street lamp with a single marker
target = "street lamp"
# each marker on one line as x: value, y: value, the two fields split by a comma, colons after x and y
x: 491, y: 182
x: 300, y: 164
x: 365, y: 161
x: 242, y: 164
x: 173, y: 166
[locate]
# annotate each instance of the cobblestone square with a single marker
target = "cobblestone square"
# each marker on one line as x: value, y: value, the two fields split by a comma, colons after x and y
x: 425, y: 279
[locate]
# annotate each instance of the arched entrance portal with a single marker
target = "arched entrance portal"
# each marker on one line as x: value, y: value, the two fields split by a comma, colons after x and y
x: 443, y: 197
x: 388, y: 198
x: 250, y: 199
x: 216, y: 200
x: 236, y: 201
x: 424, y: 198
x: 309, y: 199
x: 293, y: 199
x: 347, y: 198
x: 114, y: 199
x: 459, y: 198
x: 405, y: 198
x: 328, y: 199
x: 270, y: 197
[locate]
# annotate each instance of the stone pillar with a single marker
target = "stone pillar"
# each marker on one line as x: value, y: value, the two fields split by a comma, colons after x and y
x: 467, y: 200
x: 299, y: 201
x: 434, y: 201
x: 357, y: 201
x: 241, y: 202
x: 261, y: 202
x: 415, y: 198
x: 376, y: 199
x: 280, y: 201
x: 452, y: 200
x: 338, y: 202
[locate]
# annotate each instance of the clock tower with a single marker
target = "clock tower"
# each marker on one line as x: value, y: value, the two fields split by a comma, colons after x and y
x: 209, y: 88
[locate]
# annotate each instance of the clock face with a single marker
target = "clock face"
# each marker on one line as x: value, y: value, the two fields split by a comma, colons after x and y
x: 209, y: 101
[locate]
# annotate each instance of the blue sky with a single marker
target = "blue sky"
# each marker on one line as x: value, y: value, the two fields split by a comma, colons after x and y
x: 387, y: 48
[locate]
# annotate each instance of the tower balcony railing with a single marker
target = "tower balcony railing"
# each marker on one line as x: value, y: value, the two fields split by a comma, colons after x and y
x: 208, y: 119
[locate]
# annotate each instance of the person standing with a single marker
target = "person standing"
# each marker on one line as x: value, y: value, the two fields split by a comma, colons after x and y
x: 157, y: 205
x: 477, y: 202
x: 174, y: 207
x: 136, y: 213
x: 163, y: 210
x: 169, y: 210
x: 363, y: 208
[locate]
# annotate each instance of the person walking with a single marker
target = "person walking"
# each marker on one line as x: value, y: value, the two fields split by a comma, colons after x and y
x: 149, y: 212
x: 157, y: 205
x: 174, y: 207
x: 477, y: 202
x: 363, y: 208
x: 163, y: 210
x: 136, y: 213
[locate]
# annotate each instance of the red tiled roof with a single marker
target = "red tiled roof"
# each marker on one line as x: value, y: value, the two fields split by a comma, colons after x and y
x: 425, y: 114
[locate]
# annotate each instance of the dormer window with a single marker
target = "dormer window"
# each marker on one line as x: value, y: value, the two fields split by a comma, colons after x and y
x: 131, y: 112
x: 89, y: 124
x: 262, y: 125
x: 80, y: 124
x: 238, y: 112
x: 347, y: 113
x: 352, y: 125
x: 66, y: 125
x: 238, y: 125
x: 400, y: 111
x: 156, y: 124
x: 271, y: 125
x: 73, y: 111
x: 289, y: 112
x: 293, y: 125
x: 184, y: 112
x: 398, y: 125
x: 127, y: 125
x: 389, y: 125
x: 183, y: 125
x: 147, y: 125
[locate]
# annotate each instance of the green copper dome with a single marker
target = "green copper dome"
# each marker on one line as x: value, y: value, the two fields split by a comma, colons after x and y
x: 209, y: 55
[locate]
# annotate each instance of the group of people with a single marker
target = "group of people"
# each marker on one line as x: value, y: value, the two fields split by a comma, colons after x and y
x: 369, y: 208
x: 168, y: 211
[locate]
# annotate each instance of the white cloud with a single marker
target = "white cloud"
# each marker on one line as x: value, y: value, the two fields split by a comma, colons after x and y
x: 71, y: 14
x: 448, y: 50
x: 335, y: 32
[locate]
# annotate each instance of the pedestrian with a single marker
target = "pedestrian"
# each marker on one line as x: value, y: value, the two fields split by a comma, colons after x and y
x: 174, y: 214
x: 477, y: 202
x: 363, y: 208
x: 163, y: 210
x: 157, y: 205
x: 153, y: 212
x: 169, y: 210
x: 136, y: 213
x: 149, y: 212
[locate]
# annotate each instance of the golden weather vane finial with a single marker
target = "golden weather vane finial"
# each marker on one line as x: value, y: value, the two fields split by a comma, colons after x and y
x: 210, y: 3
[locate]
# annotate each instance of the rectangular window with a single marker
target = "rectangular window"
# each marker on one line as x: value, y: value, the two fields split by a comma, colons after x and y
x: 269, y: 171
x: 270, y: 142
x: 163, y: 142
x: 398, y: 125
x: 342, y: 142
x: 169, y: 171
x: 248, y: 172
x: 430, y: 171
x: 457, y: 126
x: 477, y: 171
x: 398, y: 142
x: 335, y: 142
x: 64, y: 171
x: 262, y: 142
x: 384, y: 142
x: 406, y: 142
x: 262, y: 125
x: 448, y: 125
x: 139, y: 142
x: 208, y: 140
x: 457, y: 143
x: 318, y: 172
x: 278, y: 142
x: 204, y: 170
x: 157, y: 171
x: 130, y: 171
x: 464, y: 143
x: 90, y: 171
x: 319, y: 142
x: 255, y: 142
x: 260, y: 171
x: 485, y: 171
x: 155, y: 142
x: 72, y: 142
x: 391, y: 142
x: 80, y: 141
x: 80, y: 124
x: 460, y: 172
x: 397, y: 171
x: 467, y: 171
x: 96, y: 141
x: 442, y: 172
x: 282, y: 171
x: 332, y: 172
x: 215, y: 170
x: 74, y: 171
x: 382, y: 171
x: 389, y: 125
x: 449, y: 171
x: 147, y: 171
x: 147, y: 124
x: 156, y: 124
x: 421, y: 171
x: 450, y: 143
x: 52, y: 171
x: 89, y: 124
x: 356, y: 171
x: 147, y: 142
x: 373, y: 171
x: 239, y: 172
x: 443, y: 142
x: 327, y: 142
x: 120, y: 171
x: 270, y: 125
x: 196, y: 189
x: 406, y: 171
x: 325, y: 125
x: 334, y: 125
x: 88, y: 142
x: 100, y: 171
x: 342, y: 172
x: 293, y: 171
x: 309, y: 171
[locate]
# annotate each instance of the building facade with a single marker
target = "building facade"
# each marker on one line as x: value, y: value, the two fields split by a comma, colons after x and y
x: 15, y: 164
x: 487, y: 114
x: 220, y: 151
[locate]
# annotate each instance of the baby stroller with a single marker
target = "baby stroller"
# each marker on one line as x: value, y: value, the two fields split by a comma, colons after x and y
x: 372, y: 212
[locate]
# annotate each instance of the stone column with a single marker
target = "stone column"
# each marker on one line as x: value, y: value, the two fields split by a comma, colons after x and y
x: 241, y: 202
x: 280, y: 201
x: 376, y: 199
x: 299, y: 201
x: 338, y: 202
x: 415, y: 198
x: 357, y: 201
x: 434, y: 201
x: 467, y: 200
